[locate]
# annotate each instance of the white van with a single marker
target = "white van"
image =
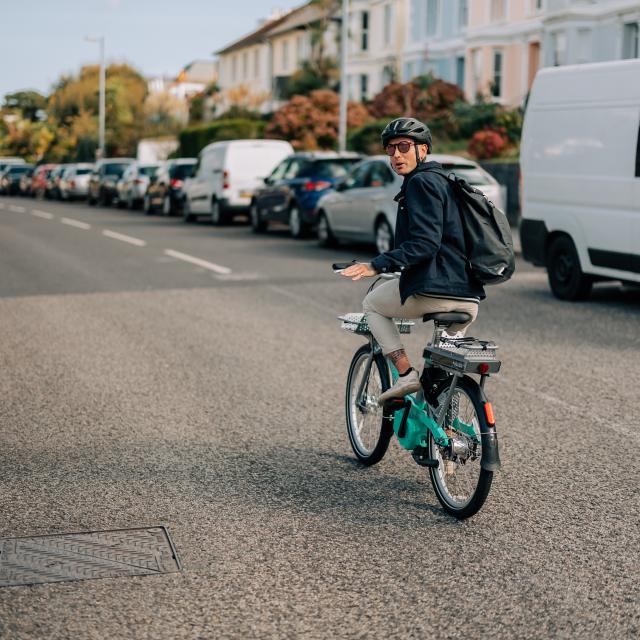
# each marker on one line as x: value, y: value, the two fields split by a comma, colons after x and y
x: 227, y: 174
x: 580, y: 162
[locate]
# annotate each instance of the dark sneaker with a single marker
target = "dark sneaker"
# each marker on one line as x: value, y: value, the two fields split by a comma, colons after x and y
x: 402, y: 387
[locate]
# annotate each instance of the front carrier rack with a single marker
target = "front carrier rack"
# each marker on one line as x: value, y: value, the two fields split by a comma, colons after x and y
x: 357, y: 323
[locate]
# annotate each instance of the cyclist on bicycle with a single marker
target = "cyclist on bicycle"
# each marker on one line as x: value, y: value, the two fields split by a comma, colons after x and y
x: 429, y: 253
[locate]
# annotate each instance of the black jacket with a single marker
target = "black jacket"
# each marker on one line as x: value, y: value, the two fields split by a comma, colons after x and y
x: 429, y: 241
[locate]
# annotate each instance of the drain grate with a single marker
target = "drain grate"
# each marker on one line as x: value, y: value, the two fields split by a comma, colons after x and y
x: 84, y: 556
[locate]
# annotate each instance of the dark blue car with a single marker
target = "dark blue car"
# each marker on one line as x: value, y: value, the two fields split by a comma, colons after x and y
x: 294, y: 187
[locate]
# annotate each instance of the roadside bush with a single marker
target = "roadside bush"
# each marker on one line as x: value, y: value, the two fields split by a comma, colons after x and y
x: 193, y: 139
x: 366, y: 139
x: 488, y: 143
x: 511, y: 122
x: 472, y: 118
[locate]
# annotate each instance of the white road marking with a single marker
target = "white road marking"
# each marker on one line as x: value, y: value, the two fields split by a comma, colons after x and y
x: 120, y: 236
x: 17, y: 208
x: 216, y: 268
x: 75, y: 223
x: 45, y: 215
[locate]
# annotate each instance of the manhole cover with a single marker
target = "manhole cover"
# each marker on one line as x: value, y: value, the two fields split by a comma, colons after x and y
x: 83, y: 556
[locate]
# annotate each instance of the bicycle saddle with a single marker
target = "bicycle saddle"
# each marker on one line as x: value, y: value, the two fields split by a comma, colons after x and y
x: 447, y: 317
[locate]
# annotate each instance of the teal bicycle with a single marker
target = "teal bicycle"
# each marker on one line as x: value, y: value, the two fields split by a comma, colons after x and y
x: 448, y: 425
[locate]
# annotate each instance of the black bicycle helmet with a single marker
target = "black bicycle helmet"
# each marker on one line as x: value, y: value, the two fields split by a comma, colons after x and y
x: 407, y: 128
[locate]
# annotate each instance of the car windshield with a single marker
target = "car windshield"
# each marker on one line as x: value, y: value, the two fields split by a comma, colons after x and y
x: 182, y: 171
x: 82, y: 172
x: 19, y: 169
x: 148, y: 170
x: 330, y: 168
x: 115, y: 169
x: 473, y: 175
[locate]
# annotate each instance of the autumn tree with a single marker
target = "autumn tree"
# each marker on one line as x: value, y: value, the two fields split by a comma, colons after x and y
x: 311, y: 122
x: 30, y: 105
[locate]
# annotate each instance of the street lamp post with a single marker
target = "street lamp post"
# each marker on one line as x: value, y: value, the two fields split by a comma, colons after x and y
x: 342, y: 122
x: 101, y: 116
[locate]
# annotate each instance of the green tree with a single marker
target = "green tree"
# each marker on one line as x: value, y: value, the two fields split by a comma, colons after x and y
x: 30, y: 105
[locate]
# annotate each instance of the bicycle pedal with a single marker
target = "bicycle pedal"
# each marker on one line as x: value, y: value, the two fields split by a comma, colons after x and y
x: 421, y: 458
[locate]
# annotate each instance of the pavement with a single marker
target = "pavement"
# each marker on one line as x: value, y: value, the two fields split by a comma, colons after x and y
x: 154, y: 372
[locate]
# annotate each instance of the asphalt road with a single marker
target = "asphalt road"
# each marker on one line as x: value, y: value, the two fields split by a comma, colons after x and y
x: 142, y: 387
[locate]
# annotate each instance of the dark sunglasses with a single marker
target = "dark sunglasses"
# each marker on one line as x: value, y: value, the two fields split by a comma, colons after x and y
x: 403, y: 147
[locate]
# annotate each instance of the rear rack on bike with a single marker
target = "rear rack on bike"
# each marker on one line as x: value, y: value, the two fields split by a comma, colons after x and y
x: 357, y: 323
x: 464, y: 355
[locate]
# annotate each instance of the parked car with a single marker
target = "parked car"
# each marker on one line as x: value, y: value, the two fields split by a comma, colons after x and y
x: 10, y: 178
x: 133, y: 184
x: 580, y: 162
x: 103, y: 179
x: 5, y: 161
x: 74, y: 182
x: 166, y: 188
x: 26, y: 180
x: 40, y: 178
x: 294, y: 187
x: 362, y: 208
x: 226, y: 176
x: 52, y: 190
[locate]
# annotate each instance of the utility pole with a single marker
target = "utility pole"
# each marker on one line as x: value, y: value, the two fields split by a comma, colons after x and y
x: 344, y: 90
x: 102, y: 106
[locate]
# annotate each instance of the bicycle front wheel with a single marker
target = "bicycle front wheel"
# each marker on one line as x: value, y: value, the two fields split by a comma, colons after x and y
x: 368, y: 427
x: 460, y: 483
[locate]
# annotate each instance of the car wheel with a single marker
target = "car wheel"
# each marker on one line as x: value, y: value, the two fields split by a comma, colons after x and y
x: 325, y: 235
x: 297, y: 227
x: 566, y: 279
x: 384, y: 236
x: 166, y: 206
x: 258, y: 224
x: 187, y: 216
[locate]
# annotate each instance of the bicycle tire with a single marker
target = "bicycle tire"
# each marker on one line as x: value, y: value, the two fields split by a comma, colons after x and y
x: 461, y: 509
x: 380, y: 432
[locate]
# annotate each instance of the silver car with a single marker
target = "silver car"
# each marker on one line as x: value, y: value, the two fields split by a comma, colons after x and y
x: 362, y: 208
x: 74, y: 182
x: 134, y: 182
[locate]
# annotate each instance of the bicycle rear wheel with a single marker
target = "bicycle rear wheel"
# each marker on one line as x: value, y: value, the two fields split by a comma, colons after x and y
x: 460, y: 483
x: 368, y: 427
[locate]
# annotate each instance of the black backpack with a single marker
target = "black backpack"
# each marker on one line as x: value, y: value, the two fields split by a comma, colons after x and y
x: 487, y: 234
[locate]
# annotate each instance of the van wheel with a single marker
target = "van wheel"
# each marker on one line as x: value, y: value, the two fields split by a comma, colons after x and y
x: 258, y: 225
x: 187, y: 216
x: 566, y: 279
x: 218, y: 215
x: 384, y: 236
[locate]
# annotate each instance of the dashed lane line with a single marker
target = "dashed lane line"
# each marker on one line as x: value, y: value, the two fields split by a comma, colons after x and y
x: 123, y: 238
x: 216, y: 268
x: 45, y: 215
x: 75, y: 223
x: 17, y: 208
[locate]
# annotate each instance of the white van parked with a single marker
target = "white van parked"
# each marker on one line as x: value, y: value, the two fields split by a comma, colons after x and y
x: 227, y: 174
x: 580, y: 162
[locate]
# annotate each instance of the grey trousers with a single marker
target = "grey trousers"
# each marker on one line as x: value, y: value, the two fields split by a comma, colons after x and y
x: 383, y: 304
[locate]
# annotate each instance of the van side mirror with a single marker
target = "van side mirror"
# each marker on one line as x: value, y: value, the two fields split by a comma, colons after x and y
x: 268, y: 180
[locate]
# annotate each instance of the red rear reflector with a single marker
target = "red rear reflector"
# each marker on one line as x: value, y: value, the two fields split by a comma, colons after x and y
x: 225, y: 179
x: 483, y: 368
x: 176, y: 183
x: 488, y: 412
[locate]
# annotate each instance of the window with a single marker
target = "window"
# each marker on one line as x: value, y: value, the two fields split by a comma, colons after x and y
x: 256, y: 63
x: 379, y: 175
x: 584, y: 45
x: 300, y: 49
x: 245, y: 65
x: 364, y: 86
x: 463, y: 13
x: 498, y: 10
x: 233, y: 68
x: 496, y: 87
x: 279, y: 171
x: 558, y: 48
x: 460, y: 71
x: 285, y: 56
x: 388, y: 16
x: 414, y: 20
x: 364, y: 33
x: 357, y: 178
x: 432, y: 17
x: 630, y: 40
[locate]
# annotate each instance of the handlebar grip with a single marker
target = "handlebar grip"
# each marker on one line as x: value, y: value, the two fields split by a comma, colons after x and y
x: 339, y: 266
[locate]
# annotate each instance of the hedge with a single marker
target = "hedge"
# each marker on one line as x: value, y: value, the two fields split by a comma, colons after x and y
x: 193, y: 139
